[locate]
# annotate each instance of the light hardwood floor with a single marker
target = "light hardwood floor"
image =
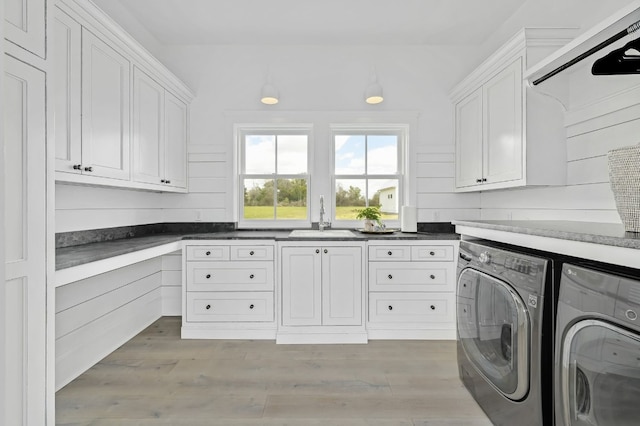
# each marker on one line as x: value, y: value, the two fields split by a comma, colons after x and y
x: 157, y: 378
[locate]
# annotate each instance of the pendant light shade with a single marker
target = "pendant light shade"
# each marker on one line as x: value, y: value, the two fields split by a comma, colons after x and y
x: 373, y: 94
x: 269, y: 94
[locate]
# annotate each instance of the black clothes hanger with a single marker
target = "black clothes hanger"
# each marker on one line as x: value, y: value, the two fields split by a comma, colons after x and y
x: 625, y: 60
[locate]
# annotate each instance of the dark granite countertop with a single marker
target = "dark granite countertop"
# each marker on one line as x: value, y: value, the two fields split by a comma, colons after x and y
x: 67, y: 257
x: 610, y: 234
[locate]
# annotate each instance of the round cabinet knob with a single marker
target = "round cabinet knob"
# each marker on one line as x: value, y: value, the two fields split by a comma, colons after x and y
x: 433, y: 308
x: 326, y: 251
x: 390, y: 308
x: 317, y: 250
x: 389, y: 253
x: 464, y: 285
x: 208, y: 253
x: 251, y: 306
x: 208, y: 307
x: 478, y: 180
x: 251, y: 276
x: 432, y: 253
x: 162, y: 181
x: 484, y: 179
x: 88, y: 169
x: 168, y: 181
x: 77, y: 167
x: 208, y: 276
x: 433, y: 277
x: 251, y: 253
x: 390, y: 276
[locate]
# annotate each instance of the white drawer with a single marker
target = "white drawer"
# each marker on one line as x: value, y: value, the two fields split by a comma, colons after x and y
x: 435, y: 253
x: 251, y: 252
x: 389, y: 253
x: 411, y: 276
x: 230, y: 307
x: 230, y: 276
x: 207, y: 252
x: 411, y: 307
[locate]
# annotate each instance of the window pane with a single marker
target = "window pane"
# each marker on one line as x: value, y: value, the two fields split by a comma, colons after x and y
x: 292, y: 199
x: 292, y: 154
x: 258, y: 199
x: 350, y: 195
x: 260, y: 154
x: 384, y: 193
x: 382, y: 154
x: 349, y: 156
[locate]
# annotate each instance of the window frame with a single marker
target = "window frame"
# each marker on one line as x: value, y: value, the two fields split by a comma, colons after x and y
x: 243, y: 130
x: 402, y: 133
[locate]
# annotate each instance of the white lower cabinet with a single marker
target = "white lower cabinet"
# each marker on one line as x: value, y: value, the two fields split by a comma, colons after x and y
x: 411, y: 296
x: 322, y: 293
x: 228, y: 290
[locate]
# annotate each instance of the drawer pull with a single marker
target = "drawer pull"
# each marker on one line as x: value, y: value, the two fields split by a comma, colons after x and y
x: 390, y: 276
x: 251, y: 306
x: 251, y: 276
x: 433, y: 307
x: 390, y: 253
x: 208, y: 253
x: 326, y: 251
x: 433, y: 277
x: 251, y: 253
x: 208, y: 276
x: 432, y: 253
x: 208, y: 307
x: 390, y: 308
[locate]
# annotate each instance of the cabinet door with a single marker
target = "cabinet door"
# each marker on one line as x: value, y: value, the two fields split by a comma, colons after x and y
x: 175, y: 122
x: 301, y: 286
x: 105, y: 109
x: 148, y: 121
x: 25, y: 241
x: 25, y: 24
x: 503, y: 154
x: 341, y: 286
x: 66, y: 85
x: 469, y: 140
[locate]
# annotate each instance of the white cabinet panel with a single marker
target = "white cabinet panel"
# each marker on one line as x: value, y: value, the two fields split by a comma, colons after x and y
x: 469, y: 140
x: 175, y: 122
x: 342, y: 286
x: 420, y: 308
x: 148, y: 144
x: 413, y: 276
x: 25, y: 24
x: 105, y: 109
x: 207, y: 253
x: 230, y: 276
x: 432, y: 253
x: 252, y: 253
x: 301, y: 286
x: 230, y: 307
x: 25, y: 242
x: 389, y: 253
x: 67, y: 59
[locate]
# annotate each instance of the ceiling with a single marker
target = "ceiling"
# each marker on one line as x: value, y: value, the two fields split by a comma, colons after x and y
x: 322, y: 22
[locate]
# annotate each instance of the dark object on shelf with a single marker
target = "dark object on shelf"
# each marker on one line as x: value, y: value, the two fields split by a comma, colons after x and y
x: 625, y: 60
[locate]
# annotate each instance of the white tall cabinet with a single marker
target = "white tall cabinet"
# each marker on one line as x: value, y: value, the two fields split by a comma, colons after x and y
x: 25, y: 25
x: 24, y: 244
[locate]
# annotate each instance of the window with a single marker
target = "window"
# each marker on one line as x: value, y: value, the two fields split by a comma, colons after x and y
x: 368, y: 172
x: 274, y: 176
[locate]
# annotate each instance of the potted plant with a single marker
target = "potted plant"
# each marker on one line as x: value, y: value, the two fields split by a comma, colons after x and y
x: 369, y: 214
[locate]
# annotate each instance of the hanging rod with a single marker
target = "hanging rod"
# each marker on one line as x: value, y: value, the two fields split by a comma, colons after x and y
x: 630, y: 29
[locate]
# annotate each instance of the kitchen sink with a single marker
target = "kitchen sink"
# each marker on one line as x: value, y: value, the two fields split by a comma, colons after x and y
x: 315, y: 233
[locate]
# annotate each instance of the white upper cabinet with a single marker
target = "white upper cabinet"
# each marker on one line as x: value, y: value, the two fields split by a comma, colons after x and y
x: 505, y: 134
x: 25, y: 24
x: 121, y: 119
x: 105, y: 109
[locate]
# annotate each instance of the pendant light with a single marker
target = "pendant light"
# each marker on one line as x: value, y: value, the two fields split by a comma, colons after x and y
x: 269, y: 94
x: 373, y: 94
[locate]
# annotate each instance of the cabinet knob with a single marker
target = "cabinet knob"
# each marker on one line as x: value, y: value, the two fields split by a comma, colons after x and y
x: 432, y: 253
x: 389, y: 253
x: 168, y: 181
x: 77, y: 167
x: 433, y: 277
x: 251, y: 306
x: 162, y: 181
x: 251, y: 253
x: 390, y: 308
x: 317, y: 250
x: 251, y: 276
x: 208, y: 253
x: 478, y: 180
x: 484, y: 179
x: 326, y: 251
x: 433, y: 307
x: 390, y: 276
x: 88, y: 169
x: 208, y: 276
x: 208, y: 307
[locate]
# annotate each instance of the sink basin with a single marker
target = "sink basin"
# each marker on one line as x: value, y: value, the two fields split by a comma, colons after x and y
x: 327, y: 233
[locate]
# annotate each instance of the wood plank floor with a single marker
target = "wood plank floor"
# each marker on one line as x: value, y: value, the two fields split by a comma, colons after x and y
x: 157, y: 378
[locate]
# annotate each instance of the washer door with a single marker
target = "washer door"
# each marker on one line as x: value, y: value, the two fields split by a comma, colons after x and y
x: 494, y: 328
x: 600, y: 377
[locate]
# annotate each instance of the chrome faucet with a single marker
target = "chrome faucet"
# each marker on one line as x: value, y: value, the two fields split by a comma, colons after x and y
x: 322, y: 224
